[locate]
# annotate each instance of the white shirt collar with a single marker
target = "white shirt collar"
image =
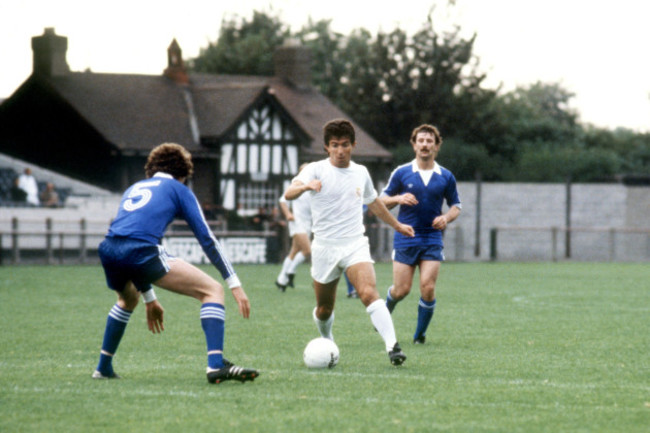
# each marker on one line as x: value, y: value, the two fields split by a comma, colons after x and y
x: 436, y: 167
x: 161, y: 174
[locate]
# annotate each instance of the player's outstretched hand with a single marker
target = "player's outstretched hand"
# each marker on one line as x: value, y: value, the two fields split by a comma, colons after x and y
x: 155, y: 313
x: 406, y: 230
x: 242, y: 301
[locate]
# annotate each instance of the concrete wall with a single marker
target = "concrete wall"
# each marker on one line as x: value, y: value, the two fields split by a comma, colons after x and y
x: 540, y: 207
x: 610, y: 221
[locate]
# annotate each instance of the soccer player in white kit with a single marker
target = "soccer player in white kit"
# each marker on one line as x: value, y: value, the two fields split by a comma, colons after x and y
x: 298, y: 214
x: 339, y: 188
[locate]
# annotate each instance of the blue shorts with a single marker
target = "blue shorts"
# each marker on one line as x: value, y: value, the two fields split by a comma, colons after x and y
x: 127, y: 260
x: 413, y: 255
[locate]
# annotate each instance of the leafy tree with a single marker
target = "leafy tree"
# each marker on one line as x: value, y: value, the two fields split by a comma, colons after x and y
x: 243, y: 47
x: 391, y: 82
x: 540, y: 113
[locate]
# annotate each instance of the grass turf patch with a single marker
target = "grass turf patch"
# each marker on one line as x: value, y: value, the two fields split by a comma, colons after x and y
x: 529, y: 347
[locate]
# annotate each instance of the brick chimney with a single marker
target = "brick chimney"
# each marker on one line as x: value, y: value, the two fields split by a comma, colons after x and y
x: 292, y: 62
x: 50, y: 54
x: 175, y: 67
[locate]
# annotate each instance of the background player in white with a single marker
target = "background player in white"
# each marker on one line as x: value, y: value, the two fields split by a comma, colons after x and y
x: 420, y: 188
x: 338, y: 188
x: 298, y: 213
x: 133, y: 259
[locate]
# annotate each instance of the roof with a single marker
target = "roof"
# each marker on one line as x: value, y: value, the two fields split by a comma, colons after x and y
x: 137, y: 112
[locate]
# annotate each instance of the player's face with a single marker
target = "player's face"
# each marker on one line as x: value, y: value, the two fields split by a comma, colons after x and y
x: 425, y: 146
x: 340, y: 151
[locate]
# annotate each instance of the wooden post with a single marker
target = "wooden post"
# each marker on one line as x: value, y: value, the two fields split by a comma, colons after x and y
x: 48, y: 240
x: 15, y: 251
x: 493, y: 244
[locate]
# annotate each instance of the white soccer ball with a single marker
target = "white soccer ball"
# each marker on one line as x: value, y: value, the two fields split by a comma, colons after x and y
x: 321, y: 353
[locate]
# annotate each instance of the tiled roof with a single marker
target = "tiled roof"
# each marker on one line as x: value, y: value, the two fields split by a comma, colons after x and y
x: 137, y: 112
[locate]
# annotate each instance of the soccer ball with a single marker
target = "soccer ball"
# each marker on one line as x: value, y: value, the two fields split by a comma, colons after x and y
x: 321, y: 353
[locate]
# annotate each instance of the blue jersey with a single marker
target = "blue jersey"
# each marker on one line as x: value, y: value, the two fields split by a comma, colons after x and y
x: 150, y: 205
x: 441, y: 186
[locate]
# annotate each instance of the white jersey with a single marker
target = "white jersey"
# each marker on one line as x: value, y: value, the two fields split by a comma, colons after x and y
x: 301, y: 210
x: 337, y: 210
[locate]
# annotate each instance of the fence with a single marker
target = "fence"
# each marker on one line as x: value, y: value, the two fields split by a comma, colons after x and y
x: 50, y: 241
x: 574, y: 243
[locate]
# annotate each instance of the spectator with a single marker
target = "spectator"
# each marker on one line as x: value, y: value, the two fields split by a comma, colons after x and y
x: 27, y: 183
x: 49, y: 197
x: 261, y: 220
x: 17, y: 193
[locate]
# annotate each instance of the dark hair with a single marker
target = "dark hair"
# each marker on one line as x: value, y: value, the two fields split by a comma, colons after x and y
x: 427, y: 128
x: 338, y: 128
x: 170, y: 158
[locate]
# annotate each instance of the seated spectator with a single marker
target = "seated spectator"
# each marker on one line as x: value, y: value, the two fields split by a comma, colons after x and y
x: 49, y: 197
x: 260, y: 220
x: 17, y: 193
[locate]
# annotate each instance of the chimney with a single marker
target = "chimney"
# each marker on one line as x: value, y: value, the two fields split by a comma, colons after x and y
x: 292, y: 63
x: 50, y: 54
x: 175, y: 67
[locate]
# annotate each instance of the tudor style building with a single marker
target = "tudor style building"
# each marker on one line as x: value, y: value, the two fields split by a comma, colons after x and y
x: 247, y: 134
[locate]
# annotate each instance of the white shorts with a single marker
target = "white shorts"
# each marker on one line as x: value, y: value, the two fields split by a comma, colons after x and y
x: 299, y: 227
x: 329, y: 258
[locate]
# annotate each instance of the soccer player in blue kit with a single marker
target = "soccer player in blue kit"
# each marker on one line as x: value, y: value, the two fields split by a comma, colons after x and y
x: 133, y: 259
x: 420, y: 187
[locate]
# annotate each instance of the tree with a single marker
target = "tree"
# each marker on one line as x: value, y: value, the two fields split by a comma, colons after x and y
x: 391, y: 82
x: 540, y: 113
x: 243, y: 47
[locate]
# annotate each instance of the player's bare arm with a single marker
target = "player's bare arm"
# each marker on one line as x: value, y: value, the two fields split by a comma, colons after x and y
x: 286, y: 211
x: 407, y: 199
x: 381, y: 211
x: 440, y: 222
x: 242, y: 301
x: 297, y: 188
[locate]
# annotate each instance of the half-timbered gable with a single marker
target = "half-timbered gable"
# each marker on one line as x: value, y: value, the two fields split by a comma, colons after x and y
x: 258, y: 154
x: 247, y: 134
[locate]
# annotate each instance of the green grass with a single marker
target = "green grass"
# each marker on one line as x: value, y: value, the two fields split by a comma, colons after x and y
x: 512, y: 348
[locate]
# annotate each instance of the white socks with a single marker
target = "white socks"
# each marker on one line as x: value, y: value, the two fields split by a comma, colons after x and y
x: 282, y: 278
x: 324, y: 326
x: 379, y: 316
x: 289, y: 267
x: 297, y: 260
x: 383, y: 322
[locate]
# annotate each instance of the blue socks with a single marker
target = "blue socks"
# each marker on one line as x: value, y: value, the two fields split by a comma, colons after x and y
x: 390, y: 302
x: 350, y: 286
x: 425, y: 313
x: 213, y: 318
x: 116, y: 323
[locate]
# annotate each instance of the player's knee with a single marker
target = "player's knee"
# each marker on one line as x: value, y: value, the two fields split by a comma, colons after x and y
x: 324, y: 312
x: 400, y: 292
x: 128, y: 302
x: 428, y: 293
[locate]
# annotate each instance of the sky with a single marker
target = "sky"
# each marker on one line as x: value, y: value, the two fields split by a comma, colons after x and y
x: 596, y: 49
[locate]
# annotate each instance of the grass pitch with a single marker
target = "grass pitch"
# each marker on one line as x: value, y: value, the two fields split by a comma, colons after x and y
x: 512, y: 348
